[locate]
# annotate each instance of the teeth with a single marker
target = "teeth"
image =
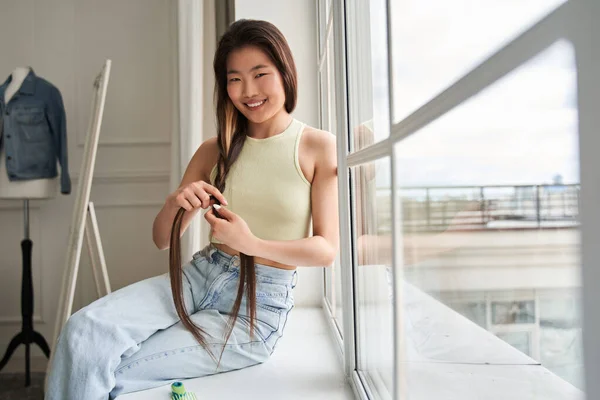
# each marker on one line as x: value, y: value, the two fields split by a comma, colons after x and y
x: 256, y: 104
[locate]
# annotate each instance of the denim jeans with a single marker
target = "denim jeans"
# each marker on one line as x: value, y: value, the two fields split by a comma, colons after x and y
x: 132, y: 338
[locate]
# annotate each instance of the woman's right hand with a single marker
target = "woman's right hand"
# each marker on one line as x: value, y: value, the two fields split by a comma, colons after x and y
x: 196, y: 195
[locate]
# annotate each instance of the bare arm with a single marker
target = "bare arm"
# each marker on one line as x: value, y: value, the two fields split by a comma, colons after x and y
x: 313, y: 251
x: 192, y: 194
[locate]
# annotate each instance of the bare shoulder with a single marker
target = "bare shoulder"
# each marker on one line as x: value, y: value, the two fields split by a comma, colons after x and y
x: 319, y: 140
x: 211, y: 150
x: 210, y: 155
x: 317, y: 136
x: 202, y: 161
x: 322, y: 144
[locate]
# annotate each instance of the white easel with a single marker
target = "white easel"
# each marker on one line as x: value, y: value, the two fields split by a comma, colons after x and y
x: 84, y: 217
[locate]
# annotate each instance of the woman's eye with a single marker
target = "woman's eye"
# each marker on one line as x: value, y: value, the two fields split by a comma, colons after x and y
x: 259, y: 75
x: 234, y: 79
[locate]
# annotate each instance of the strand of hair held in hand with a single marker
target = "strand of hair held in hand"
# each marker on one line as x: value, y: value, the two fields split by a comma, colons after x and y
x: 247, y: 276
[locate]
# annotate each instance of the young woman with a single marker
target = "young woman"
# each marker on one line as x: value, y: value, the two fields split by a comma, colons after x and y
x: 227, y: 307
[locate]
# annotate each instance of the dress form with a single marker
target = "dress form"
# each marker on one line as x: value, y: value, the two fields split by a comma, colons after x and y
x: 29, y: 189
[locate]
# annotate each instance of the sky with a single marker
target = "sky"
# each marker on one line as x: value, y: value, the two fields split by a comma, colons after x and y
x: 520, y: 130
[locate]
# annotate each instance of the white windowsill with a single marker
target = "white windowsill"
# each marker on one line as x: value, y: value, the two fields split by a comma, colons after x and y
x: 304, y: 366
x: 449, y: 357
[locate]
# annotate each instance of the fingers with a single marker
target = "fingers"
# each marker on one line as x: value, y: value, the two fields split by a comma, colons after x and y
x: 222, y: 212
x: 188, y: 199
x: 210, y: 217
x: 210, y: 189
x: 200, y: 194
x: 182, y: 201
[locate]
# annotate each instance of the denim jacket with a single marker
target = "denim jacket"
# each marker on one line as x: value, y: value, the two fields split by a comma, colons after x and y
x: 33, y: 132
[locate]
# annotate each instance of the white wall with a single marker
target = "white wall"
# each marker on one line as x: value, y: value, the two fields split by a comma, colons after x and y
x: 297, y: 20
x: 66, y: 42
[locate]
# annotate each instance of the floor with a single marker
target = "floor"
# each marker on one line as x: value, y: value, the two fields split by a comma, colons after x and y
x: 304, y: 366
x: 12, y: 386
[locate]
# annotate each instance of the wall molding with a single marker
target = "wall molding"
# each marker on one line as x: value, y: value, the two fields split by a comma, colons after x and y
x: 127, y: 142
x: 127, y: 176
x: 14, y: 205
x: 135, y: 204
x: 123, y: 176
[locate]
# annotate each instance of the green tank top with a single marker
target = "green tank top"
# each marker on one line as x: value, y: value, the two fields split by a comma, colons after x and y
x: 267, y: 188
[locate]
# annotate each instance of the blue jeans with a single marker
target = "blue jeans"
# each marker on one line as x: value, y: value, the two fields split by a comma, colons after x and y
x: 132, y: 338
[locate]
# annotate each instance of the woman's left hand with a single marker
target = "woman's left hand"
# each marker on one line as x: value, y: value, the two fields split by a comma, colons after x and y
x: 231, y: 230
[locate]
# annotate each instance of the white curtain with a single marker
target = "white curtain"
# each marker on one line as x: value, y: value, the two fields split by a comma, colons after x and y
x: 196, y: 44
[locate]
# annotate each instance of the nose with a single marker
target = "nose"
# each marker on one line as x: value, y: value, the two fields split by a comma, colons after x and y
x: 249, y: 89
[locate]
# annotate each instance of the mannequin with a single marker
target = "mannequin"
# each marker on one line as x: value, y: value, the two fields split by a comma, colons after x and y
x: 30, y: 189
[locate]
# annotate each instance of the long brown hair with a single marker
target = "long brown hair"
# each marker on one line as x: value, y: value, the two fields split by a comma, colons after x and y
x: 231, y: 135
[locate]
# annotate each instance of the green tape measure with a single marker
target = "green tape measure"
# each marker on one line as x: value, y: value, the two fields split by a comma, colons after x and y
x: 178, y: 392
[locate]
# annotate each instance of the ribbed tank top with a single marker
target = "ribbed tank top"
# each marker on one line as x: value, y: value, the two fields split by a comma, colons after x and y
x: 266, y: 187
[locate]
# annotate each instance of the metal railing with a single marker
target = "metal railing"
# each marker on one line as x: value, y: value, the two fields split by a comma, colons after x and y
x: 489, y: 207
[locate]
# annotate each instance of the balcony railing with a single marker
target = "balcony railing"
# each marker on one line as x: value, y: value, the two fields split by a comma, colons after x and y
x: 490, y: 207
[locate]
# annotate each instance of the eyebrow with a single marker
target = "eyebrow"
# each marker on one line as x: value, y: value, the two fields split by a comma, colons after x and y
x: 259, y: 66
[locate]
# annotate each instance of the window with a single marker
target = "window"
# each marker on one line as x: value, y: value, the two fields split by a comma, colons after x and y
x: 333, y: 283
x: 491, y: 205
x: 463, y: 191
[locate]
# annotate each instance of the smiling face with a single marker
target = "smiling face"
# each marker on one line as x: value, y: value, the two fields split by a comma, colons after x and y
x: 254, y: 84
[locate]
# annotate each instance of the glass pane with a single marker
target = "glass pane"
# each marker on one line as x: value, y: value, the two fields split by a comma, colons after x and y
x: 489, y: 202
x: 519, y: 340
x: 475, y: 311
x: 560, y: 334
x: 329, y: 286
x: 367, y: 72
x: 338, y: 316
x: 322, y: 4
x: 325, y: 125
x: 513, y: 312
x: 325, y: 109
x: 336, y: 281
x: 372, y: 202
x: 333, y: 294
x: 457, y: 34
x: 331, y: 81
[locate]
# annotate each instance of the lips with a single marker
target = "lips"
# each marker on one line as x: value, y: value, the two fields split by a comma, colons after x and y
x: 255, y: 105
